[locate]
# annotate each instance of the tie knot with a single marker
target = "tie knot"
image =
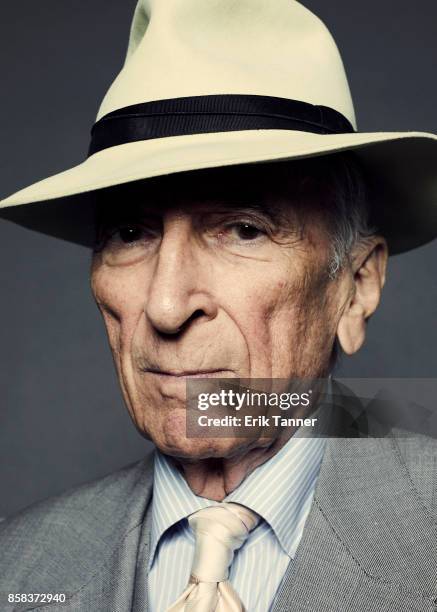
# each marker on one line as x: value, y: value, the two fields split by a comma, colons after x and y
x: 219, y: 531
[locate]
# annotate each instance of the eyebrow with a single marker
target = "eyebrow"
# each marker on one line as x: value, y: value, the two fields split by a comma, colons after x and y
x: 280, y: 206
x: 274, y: 213
x: 107, y: 214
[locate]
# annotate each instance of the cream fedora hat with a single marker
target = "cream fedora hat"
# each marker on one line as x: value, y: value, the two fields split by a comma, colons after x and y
x: 213, y: 83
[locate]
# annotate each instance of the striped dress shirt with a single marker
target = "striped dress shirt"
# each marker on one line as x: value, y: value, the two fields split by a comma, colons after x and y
x: 280, y: 490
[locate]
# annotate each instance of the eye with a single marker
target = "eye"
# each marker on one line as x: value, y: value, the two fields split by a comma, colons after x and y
x: 127, y: 243
x: 246, y: 231
x: 241, y: 232
x: 130, y: 233
x: 238, y: 232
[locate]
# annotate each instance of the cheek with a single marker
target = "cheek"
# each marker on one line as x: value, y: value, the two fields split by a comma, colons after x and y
x: 259, y: 307
x: 120, y: 298
x: 286, y: 324
x: 119, y: 295
x: 305, y: 331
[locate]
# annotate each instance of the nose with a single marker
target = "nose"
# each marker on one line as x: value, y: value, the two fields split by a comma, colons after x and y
x: 178, y: 293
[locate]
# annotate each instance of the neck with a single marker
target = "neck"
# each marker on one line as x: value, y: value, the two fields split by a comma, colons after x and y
x: 215, y: 478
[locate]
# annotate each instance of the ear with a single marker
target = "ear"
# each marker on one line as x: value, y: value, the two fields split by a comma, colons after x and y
x: 368, y: 267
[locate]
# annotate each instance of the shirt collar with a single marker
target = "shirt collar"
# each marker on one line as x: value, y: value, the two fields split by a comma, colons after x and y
x: 173, y: 500
x: 281, y: 489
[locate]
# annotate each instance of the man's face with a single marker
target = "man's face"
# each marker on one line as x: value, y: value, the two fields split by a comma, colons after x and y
x: 220, y: 277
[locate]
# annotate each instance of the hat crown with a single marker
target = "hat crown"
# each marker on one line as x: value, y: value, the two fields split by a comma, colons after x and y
x: 181, y: 48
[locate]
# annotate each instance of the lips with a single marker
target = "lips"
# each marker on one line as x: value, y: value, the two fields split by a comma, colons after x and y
x: 210, y: 373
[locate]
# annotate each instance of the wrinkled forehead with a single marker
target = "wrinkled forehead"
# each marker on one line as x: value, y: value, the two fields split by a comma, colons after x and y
x: 271, y: 188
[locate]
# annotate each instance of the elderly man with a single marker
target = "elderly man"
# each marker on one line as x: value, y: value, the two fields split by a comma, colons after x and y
x: 228, y: 244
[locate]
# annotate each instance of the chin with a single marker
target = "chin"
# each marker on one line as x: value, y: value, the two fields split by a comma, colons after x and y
x: 196, y: 448
x: 199, y: 452
x: 167, y: 429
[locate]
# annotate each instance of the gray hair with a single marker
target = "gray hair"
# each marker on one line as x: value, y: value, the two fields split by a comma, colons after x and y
x: 350, y: 212
x: 342, y: 190
x: 349, y: 216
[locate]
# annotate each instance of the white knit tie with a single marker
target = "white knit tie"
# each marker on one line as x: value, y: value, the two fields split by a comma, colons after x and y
x: 219, y: 532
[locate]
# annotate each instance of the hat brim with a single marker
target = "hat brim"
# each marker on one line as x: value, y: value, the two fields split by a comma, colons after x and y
x: 60, y: 205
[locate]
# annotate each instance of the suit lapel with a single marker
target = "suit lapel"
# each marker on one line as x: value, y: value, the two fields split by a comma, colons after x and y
x: 368, y: 541
x: 112, y: 586
x: 141, y: 599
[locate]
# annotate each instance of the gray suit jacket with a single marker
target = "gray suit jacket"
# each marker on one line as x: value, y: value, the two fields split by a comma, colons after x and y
x: 369, y: 543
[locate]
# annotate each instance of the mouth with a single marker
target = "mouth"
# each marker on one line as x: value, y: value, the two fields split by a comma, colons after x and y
x: 182, y: 374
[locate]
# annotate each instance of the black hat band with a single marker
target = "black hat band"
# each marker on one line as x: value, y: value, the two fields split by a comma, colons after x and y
x: 209, y: 114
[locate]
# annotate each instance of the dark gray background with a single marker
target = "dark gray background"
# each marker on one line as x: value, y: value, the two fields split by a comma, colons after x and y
x: 62, y: 420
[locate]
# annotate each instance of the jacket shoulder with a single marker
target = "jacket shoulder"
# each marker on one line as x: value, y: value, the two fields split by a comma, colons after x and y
x: 57, y: 542
x: 418, y: 454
